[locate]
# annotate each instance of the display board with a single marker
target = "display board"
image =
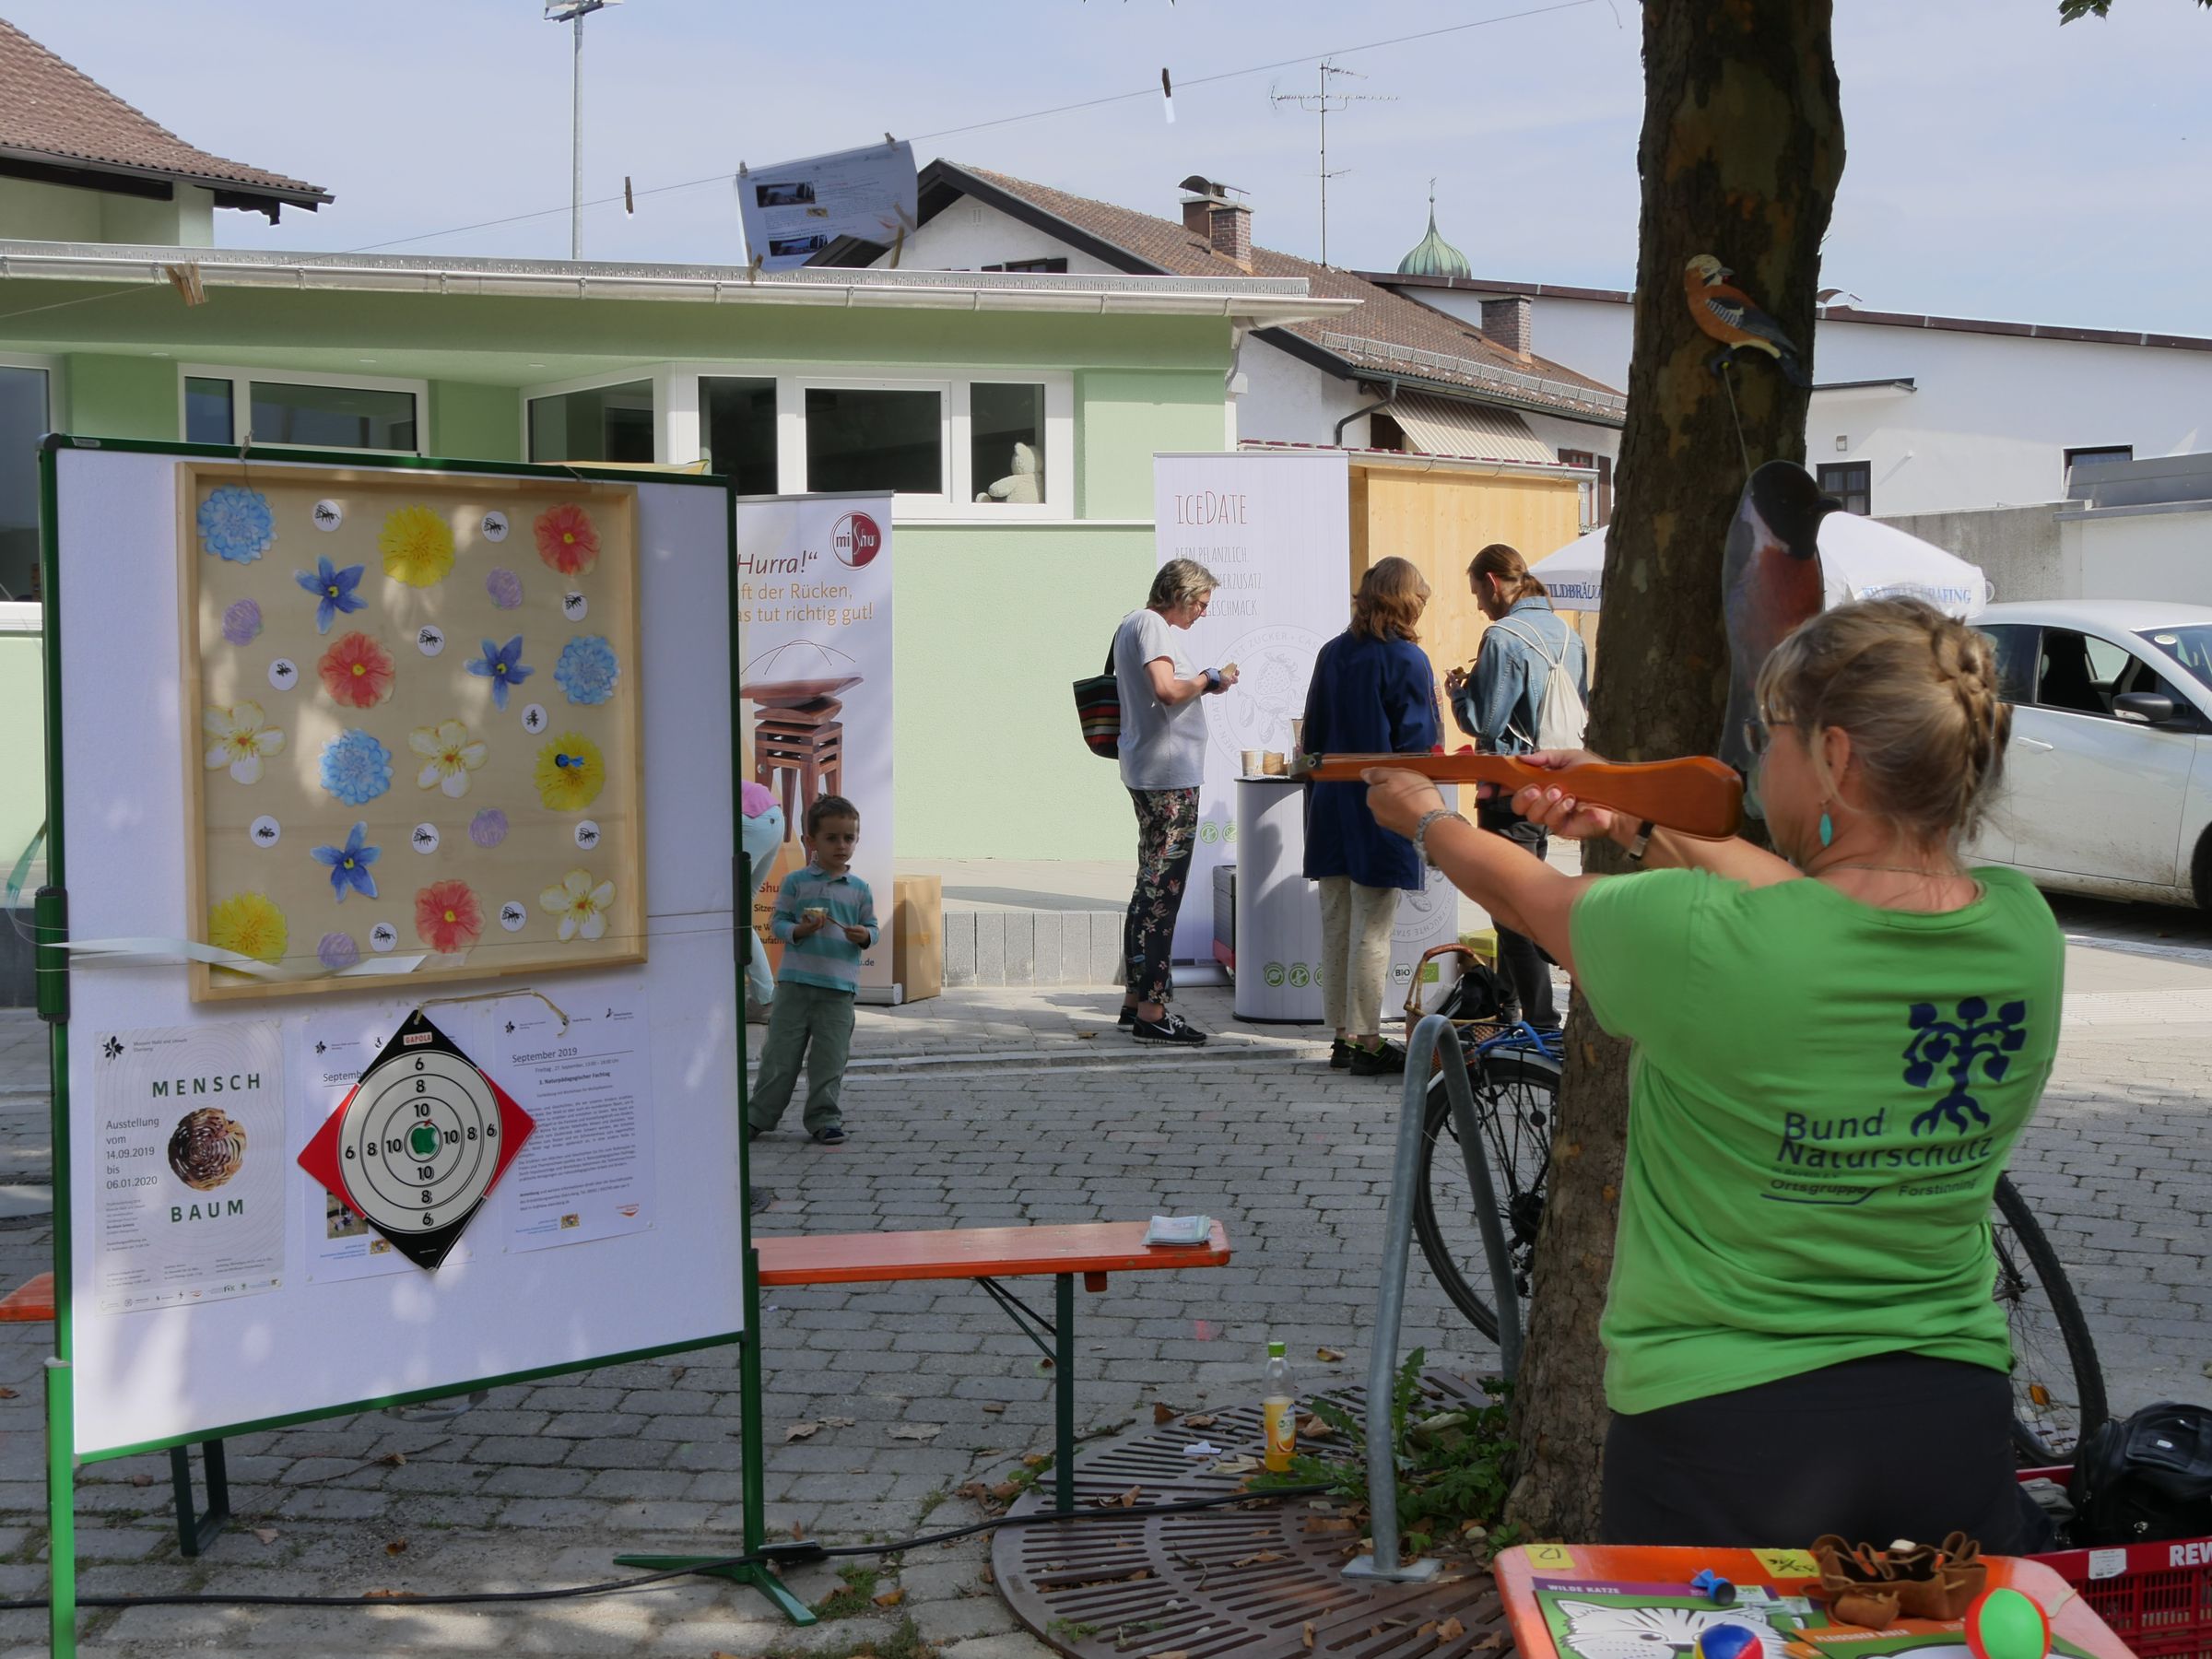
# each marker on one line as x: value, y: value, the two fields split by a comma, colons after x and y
x: 211, y: 1282
x: 411, y: 704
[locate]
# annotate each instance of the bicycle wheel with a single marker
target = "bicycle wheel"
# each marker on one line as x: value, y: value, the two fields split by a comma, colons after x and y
x: 2057, y: 1385
x: 1516, y: 1094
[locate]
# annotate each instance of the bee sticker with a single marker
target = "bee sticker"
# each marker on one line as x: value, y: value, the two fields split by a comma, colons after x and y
x: 573, y: 607
x: 284, y: 674
x: 587, y: 835
x: 534, y: 718
x: 494, y: 526
x: 513, y: 915
x: 382, y: 937
x: 328, y: 515
x: 429, y: 639
x: 424, y: 839
x: 264, y: 831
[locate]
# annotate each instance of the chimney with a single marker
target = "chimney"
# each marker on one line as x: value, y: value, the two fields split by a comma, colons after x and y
x: 1194, y: 211
x: 1229, y: 227
x: 1506, y: 322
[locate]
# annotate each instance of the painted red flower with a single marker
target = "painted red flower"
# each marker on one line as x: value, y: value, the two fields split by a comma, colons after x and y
x: 357, y: 671
x: 447, y: 916
x: 566, y: 540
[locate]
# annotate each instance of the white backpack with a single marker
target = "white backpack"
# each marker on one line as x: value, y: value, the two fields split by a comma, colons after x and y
x: 1560, y: 716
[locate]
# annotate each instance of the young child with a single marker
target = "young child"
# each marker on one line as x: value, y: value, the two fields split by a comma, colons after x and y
x: 825, y: 918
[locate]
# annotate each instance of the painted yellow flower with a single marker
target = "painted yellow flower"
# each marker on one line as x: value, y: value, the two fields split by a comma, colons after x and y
x: 571, y: 772
x: 237, y: 739
x: 449, y: 756
x: 249, y: 923
x: 418, y: 545
x: 581, y: 904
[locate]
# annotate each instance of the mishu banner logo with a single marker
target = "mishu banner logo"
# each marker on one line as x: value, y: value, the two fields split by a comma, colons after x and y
x: 855, y: 539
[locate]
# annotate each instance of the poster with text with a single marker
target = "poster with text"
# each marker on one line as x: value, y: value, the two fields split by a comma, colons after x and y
x: 814, y: 591
x: 793, y: 211
x: 1276, y: 531
x: 586, y: 1172
x: 188, y: 1196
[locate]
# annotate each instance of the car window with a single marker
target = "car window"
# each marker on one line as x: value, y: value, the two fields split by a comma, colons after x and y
x: 2016, y: 647
x: 2190, y: 645
x: 2067, y: 674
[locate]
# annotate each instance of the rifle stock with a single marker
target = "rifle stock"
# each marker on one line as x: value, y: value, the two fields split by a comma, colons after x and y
x: 1697, y: 795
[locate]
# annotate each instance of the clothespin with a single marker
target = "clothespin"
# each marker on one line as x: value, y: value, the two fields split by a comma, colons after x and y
x: 1167, y: 93
x: 185, y: 279
x: 630, y: 202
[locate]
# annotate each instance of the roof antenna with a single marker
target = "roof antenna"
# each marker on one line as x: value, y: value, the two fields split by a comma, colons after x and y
x: 1321, y: 102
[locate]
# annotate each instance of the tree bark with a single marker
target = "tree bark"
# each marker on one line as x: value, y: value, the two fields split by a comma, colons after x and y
x: 1741, y: 150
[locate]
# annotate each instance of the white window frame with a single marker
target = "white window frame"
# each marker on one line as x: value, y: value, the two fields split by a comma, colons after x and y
x: 21, y: 616
x: 678, y: 420
x: 666, y: 442
x: 242, y: 404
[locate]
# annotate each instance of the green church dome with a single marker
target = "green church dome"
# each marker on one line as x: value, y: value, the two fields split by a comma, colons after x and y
x: 1434, y: 256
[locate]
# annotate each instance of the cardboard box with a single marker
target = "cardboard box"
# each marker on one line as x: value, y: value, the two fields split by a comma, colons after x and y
x: 918, y: 935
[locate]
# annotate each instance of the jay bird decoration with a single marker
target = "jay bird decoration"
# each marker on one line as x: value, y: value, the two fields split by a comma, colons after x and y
x: 1730, y: 316
x: 1771, y: 580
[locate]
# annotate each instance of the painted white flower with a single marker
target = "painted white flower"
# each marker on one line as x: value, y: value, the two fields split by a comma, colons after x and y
x: 449, y: 757
x: 581, y: 906
x: 239, y: 740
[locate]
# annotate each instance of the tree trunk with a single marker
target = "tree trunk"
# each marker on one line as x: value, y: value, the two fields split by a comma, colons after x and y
x: 1742, y: 147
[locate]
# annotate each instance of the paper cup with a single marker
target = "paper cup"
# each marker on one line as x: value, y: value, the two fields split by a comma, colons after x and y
x: 1252, y: 761
x: 1271, y: 763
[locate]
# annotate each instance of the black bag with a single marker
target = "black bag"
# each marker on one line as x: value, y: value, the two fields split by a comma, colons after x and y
x: 2145, y: 1478
x: 1478, y: 996
x: 1099, y: 711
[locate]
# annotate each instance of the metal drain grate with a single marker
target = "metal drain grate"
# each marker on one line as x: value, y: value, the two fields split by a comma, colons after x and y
x: 1218, y: 1583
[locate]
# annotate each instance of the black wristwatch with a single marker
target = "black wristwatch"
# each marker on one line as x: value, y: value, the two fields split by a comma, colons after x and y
x: 1642, y: 841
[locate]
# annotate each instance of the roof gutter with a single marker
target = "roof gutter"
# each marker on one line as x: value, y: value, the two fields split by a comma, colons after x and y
x: 1389, y: 398
x: 1254, y: 302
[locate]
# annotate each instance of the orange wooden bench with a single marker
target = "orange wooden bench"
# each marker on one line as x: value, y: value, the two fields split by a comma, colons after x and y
x: 1094, y: 1250
x: 33, y: 1300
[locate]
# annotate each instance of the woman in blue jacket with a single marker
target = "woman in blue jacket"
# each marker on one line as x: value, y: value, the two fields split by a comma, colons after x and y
x: 1372, y: 693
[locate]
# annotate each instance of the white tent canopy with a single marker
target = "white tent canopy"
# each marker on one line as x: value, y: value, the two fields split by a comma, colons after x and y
x: 1861, y: 558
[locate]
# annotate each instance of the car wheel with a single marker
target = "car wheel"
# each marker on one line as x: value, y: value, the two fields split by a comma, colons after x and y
x: 2200, y: 872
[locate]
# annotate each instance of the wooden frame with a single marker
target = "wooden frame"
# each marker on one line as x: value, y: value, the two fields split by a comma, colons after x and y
x: 611, y: 609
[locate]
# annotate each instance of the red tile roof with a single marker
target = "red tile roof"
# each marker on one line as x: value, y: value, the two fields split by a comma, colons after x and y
x: 50, y: 109
x: 1389, y: 334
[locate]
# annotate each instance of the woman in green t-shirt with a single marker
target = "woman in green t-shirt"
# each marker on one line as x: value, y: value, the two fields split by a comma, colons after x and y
x: 1835, y: 1049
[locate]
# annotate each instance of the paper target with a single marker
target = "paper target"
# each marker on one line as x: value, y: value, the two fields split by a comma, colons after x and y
x: 418, y: 1143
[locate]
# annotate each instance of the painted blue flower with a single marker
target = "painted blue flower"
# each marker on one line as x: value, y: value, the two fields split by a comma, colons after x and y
x: 356, y: 767
x: 349, y: 864
x: 587, y: 669
x: 332, y: 590
x: 236, y: 524
x: 502, y: 666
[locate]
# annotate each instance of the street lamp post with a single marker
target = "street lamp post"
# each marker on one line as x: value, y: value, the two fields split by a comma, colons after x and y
x: 574, y: 12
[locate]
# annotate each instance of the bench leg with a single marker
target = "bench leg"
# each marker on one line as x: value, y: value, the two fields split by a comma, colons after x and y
x: 1064, y: 1391
x: 195, y: 1532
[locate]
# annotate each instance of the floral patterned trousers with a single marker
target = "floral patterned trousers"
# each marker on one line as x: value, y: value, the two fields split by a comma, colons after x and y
x: 1166, y: 834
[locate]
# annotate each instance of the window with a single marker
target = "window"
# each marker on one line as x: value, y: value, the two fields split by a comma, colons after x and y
x: 308, y: 411
x: 1005, y: 442
x: 1049, y: 267
x: 865, y: 438
x: 1597, y: 493
x: 2017, y: 659
x: 599, y: 423
x: 22, y: 421
x: 737, y: 430
x: 2098, y: 455
x: 1851, y: 483
x: 2081, y: 673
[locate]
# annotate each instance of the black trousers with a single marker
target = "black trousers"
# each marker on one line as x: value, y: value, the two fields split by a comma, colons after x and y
x: 1897, y: 1446
x: 1526, y: 968
x: 1167, y: 837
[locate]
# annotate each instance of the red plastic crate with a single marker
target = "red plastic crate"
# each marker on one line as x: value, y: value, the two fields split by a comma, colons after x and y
x: 2156, y: 1597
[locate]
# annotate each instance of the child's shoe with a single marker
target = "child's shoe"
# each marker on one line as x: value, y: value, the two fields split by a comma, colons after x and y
x: 829, y: 1134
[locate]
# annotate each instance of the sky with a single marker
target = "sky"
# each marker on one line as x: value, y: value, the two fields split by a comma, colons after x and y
x: 1998, y: 165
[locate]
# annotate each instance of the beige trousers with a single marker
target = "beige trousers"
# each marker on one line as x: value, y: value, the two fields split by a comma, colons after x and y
x: 1355, y: 953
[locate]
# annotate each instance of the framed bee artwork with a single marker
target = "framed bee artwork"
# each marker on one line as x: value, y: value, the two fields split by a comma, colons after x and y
x: 412, y: 726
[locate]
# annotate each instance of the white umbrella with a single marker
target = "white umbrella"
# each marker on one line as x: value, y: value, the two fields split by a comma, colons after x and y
x: 1861, y: 558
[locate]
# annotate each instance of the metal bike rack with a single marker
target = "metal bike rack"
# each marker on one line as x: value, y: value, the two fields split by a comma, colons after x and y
x: 1434, y: 1035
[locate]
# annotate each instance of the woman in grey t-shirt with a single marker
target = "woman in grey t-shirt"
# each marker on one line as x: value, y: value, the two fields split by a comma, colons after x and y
x: 1163, y: 762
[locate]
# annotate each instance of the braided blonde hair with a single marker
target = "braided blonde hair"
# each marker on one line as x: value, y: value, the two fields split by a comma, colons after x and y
x: 1916, y: 691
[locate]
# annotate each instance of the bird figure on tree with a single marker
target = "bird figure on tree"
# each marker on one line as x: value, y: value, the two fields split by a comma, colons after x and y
x: 1771, y: 582
x: 1732, y: 317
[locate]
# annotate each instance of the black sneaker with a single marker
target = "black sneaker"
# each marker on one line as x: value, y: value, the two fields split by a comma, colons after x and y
x: 1127, y: 1017
x: 1388, y: 1060
x: 1172, y: 1029
x: 828, y: 1134
x: 1340, y: 1055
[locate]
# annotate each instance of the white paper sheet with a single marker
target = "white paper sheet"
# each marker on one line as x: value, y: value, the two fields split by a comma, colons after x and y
x: 587, y: 1170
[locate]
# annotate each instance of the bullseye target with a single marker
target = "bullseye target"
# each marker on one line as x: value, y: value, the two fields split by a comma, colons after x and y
x: 419, y: 1142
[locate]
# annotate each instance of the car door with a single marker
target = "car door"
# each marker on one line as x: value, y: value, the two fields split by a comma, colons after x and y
x: 2088, y: 792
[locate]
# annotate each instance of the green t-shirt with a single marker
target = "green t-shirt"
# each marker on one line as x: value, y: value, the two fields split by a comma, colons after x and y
x: 1822, y: 1099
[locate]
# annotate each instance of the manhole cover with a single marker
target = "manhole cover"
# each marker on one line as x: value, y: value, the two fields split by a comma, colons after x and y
x: 1251, y: 1582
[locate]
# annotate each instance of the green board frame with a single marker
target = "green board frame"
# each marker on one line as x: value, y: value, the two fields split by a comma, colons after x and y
x: 51, y: 968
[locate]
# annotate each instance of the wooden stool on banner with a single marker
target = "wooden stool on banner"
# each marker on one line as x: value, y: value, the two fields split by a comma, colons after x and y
x: 799, y: 753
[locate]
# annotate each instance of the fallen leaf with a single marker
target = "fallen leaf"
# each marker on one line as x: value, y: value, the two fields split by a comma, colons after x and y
x: 1236, y: 1465
x: 798, y: 1531
x: 1261, y: 1560
x: 1312, y: 1427
x: 1451, y: 1630
x: 1128, y: 1498
x: 831, y: 1422
x: 890, y: 1598
x: 142, y: 1480
x: 1309, y: 1633
x: 1204, y: 1420
x: 989, y: 1577
x: 267, y: 1534
x: 1087, y: 1036
x: 1035, y: 1460
x: 1171, y: 1653
x: 995, y: 1406
x: 1162, y: 1413
x: 1322, y: 1528
x: 394, y: 1459
x: 8, y: 1393
x: 1329, y: 1354
x: 916, y: 1432
x: 799, y: 1431
x: 397, y: 1546
x: 1424, y: 1632
x: 1006, y: 1491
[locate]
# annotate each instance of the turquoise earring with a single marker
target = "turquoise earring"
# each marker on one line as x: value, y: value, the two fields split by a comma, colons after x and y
x: 1827, y: 830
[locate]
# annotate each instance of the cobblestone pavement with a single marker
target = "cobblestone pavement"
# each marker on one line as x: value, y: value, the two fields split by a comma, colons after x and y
x: 979, y: 1107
